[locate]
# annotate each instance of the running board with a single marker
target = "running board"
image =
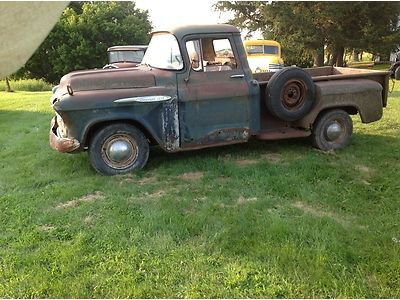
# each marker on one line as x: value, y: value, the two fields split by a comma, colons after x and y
x: 282, y: 133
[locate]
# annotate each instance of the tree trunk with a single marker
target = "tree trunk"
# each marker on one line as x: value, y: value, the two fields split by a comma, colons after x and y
x: 328, y: 59
x: 354, y: 55
x: 319, y: 57
x: 8, y: 87
x: 333, y: 59
x: 340, y: 54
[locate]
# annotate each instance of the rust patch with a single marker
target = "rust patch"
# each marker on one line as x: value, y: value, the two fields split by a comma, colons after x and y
x: 63, y: 145
x: 246, y: 162
x: 191, y: 176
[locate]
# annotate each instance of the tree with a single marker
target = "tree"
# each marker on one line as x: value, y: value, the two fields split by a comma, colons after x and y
x: 81, y: 37
x: 8, y: 87
x: 312, y: 28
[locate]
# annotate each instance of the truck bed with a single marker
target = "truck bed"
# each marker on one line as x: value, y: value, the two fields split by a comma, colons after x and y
x: 340, y: 83
x: 337, y: 73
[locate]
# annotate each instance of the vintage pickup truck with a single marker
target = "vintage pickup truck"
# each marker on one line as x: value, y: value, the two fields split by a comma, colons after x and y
x: 194, y: 89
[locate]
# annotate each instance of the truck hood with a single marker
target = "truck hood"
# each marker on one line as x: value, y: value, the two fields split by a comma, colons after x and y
x: 106, y: 79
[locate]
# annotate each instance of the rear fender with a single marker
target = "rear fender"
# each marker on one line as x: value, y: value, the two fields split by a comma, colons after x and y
x: 359, y: 95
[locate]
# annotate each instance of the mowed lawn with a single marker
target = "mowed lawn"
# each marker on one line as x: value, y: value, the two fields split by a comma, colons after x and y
x: 263, y: 219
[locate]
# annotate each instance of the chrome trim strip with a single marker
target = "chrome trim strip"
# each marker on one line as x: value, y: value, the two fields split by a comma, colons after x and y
x: 144, y: 99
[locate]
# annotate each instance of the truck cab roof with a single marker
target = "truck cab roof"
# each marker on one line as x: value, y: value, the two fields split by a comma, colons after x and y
x: 181, y: 31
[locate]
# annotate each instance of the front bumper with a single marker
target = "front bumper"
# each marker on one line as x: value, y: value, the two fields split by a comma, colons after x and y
x: 61, y: 144
x: 275, y: 67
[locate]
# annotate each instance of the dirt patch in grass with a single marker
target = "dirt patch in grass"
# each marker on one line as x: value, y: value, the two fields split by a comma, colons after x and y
x: 91, y: 197
x: 148, y: 180
x: 192, y: 176
x: 157, y: 194
x: 143, y: 181
x: 75, y: 202
x: 244, y: 200
x: 274, y: 158
x: 363, y: 169
x: 46, y: 228
x: 89, y: 220
x: 320, y: 213
x: 68, y: 204
x: 246, y: 162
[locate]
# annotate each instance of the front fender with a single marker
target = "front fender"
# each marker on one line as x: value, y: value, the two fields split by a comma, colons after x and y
x: 158, y: 119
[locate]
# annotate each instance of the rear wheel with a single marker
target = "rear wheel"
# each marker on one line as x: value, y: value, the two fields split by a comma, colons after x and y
x: 118, y: 149
x: 332, y: 130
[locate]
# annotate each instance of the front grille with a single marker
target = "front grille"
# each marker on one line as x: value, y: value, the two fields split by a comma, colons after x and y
x: 275, y: 67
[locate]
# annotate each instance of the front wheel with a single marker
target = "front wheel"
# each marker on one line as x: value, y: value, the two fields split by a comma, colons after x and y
x: 118, y: 149
x: 332, y: 130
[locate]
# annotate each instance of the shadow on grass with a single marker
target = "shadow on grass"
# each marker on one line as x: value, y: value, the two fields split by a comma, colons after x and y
x: 25, y: 132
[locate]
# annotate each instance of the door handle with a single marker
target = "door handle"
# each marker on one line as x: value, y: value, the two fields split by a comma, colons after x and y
x: 237, y: 76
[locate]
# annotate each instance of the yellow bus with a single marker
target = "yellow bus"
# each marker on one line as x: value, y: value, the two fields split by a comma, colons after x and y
x: 263, y: 55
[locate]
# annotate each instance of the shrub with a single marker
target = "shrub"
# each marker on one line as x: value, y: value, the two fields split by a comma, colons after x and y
x: 29, y: 85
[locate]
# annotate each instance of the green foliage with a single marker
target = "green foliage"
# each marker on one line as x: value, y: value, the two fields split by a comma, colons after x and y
x: 274, y: 219
x: 81, y: 37
x: 305, y: 28
x: 29, y: 85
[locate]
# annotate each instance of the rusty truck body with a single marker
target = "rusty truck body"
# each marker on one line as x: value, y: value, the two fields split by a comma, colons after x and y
x: 194, y: 89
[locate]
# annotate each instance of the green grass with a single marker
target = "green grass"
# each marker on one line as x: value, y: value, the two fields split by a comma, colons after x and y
x: 29, y: 85
x: 263, y: 219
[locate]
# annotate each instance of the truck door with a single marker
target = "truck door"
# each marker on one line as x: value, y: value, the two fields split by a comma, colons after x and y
x: 214, y: 95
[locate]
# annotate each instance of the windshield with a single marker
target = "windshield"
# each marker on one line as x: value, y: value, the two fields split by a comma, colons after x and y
x: 125, y: 56
x: 262, y: 49
x: 163, y: 52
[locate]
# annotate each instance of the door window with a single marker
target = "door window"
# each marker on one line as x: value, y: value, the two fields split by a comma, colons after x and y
x: 211, y: 55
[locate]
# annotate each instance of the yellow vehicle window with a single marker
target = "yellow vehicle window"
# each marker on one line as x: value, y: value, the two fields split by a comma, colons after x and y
x: 262, y: 49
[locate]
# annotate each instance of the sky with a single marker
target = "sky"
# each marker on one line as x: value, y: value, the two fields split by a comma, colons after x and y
x: 170, y: 13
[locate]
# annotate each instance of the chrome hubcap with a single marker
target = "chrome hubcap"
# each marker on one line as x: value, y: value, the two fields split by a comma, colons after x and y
x: 333, y: 131
x: 119, y: 152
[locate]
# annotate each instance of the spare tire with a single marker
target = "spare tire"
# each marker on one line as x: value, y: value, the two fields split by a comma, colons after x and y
x: 290, y: 94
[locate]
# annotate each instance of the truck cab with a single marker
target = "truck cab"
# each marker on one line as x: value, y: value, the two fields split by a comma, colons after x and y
x: 194, y: 89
